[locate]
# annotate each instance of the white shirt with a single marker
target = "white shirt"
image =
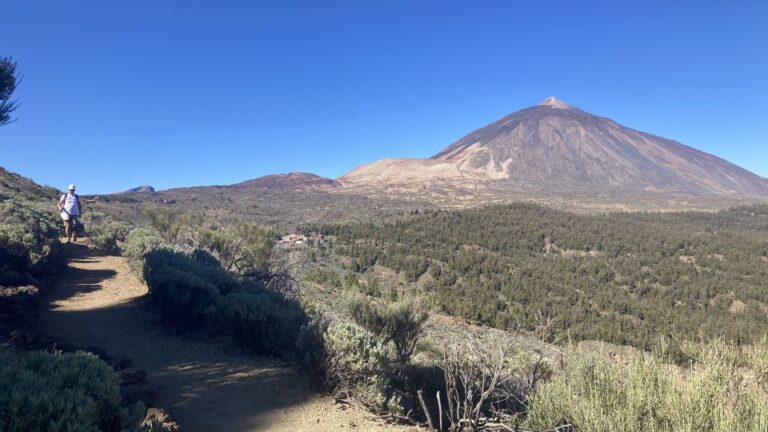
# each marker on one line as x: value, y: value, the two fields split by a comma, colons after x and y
x: 71, y: 204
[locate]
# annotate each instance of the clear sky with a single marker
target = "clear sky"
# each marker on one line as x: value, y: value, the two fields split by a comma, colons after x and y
x: 118, y: 94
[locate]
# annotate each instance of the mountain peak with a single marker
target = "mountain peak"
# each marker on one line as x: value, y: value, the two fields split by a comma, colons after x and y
x: 141, y: 189
x: 554, y: 148
x: 554, y: 102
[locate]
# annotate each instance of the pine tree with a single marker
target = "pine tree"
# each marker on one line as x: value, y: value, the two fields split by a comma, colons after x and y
x: 8, y: 82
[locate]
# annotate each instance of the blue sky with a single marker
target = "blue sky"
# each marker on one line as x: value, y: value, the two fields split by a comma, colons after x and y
x: 181, y: 93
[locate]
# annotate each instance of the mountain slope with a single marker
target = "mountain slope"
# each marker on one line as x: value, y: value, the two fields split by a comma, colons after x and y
x: 292, y: 181
x: 13, y: 185
x: 556, y: 148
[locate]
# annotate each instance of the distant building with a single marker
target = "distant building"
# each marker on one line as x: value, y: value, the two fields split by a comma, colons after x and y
x: 300, y: 239
x: 294, y: 239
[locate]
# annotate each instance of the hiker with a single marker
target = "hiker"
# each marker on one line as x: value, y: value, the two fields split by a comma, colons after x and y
x: 71, y: 209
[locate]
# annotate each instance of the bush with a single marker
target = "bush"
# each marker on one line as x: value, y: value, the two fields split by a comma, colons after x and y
x: 193, y: 291
x: 138, y: 243
x: 593, y: 393
x: 104, y: 232
x: 181, y: 288
x: 60, y: 392
x: 310, y: 347
x: 263, y: 321
x: 244, y: 248
x: 400, y: 323
x: 168, y: 222
x: 29, y: 236
x: 357, y: 366
x: 324, y: 277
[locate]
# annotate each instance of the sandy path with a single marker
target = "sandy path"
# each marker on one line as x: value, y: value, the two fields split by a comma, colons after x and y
x: 204, y: 385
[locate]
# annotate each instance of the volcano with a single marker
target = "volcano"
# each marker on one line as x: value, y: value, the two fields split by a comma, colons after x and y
x: 556, y: 148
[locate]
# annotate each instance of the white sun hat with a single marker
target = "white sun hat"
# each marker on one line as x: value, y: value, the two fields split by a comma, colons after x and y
x: 71, y: 187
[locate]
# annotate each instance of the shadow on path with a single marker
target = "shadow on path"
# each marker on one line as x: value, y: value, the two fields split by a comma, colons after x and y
x: 205, y: 384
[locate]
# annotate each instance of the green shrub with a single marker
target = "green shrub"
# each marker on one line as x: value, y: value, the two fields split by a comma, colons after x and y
x: 371, y: 287
x: 180, y: 287
x: 244, y: 248
x: 324, y: 277
x: 357, y: 350
x: 168, y: 223
x: 138, y: 243
x: 263, y: 321
x: 310, y: 348
x: 29, y: 235
x: 104, y: 232
x: 593, y: 393
x: 193, y: 291
x: 400, y: 323
x: 59, y: 392
x: 357, y: 366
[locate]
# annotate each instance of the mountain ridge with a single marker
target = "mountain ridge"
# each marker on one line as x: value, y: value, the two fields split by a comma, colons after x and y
x: 288, y: 181
x: 552, y: 154
x: 555, y: 147
x: 141, y: 189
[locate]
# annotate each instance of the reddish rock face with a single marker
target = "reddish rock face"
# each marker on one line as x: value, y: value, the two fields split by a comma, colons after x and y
x: 294, y: 181
x: 554, y: 147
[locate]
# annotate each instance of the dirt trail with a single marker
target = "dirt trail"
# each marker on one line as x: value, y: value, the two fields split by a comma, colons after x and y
x: 206, y: 385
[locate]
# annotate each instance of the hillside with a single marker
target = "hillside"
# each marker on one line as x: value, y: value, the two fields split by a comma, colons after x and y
x: 13, y: 185
x: 554, y: 148
x: 626, y: 278
x: 275, y: 202
x: 290, y: 181
x: 623, y: 278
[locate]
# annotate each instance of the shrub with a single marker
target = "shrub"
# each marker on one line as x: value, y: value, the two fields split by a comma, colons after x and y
x: 28, y: 239
x: 400, y: 323
x: 593, y: 393
x: 262, y: 320
x: 181, y: 288
x: 357, y: 367
x: 104, y: 232
x: 244, y: 248
x: 64, y: 392
x: 138, y: 243
x: 193, y: 291
x: 168, y: 223
x: 324, y: 277
x: 310, y: 348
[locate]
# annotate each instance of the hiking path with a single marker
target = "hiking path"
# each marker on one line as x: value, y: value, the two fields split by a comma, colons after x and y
x: 205, y: 384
